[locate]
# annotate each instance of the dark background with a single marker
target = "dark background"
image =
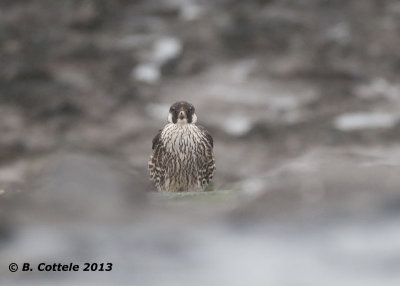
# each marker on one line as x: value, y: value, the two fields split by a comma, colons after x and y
x: 302, y: 99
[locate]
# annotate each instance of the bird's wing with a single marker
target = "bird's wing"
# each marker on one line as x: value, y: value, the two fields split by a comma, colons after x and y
x: 156, y: 162
x: 156, y: 139
x: 207, y: 134
x: 207, y: 167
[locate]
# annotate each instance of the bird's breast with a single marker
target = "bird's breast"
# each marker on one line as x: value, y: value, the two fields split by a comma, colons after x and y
x: 181, y: 140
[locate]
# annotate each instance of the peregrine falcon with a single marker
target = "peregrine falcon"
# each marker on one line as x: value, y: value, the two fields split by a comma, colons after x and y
x: 182, y: 157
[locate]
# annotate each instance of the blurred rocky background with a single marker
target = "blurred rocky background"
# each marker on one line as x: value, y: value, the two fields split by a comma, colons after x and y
x: 302, y: 99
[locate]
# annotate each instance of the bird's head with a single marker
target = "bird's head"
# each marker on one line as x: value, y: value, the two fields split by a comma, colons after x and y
x: 182, y: 112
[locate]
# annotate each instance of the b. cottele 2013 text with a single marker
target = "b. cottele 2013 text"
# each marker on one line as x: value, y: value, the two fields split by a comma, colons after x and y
x: 69, y: 267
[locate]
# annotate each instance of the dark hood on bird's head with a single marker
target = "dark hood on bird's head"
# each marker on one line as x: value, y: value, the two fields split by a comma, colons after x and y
x: 182, y: 109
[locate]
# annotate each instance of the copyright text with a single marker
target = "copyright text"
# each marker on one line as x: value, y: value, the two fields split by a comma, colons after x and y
x: 61, y: 267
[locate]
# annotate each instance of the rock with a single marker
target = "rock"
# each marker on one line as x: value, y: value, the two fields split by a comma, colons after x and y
x: 147, y: 73
x: 82, y: 185
x: 86, y: 16
x: 159, y: 60
x: 361, y: 121
x: 325, y: 184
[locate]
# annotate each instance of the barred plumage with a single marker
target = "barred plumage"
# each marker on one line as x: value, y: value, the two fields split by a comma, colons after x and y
x: 182, y: 157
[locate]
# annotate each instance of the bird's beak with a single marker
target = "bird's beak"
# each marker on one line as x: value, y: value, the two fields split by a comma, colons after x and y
x: 182, y: 115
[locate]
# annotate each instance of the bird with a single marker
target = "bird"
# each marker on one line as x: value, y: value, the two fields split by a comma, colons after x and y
x: 182, y: 156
